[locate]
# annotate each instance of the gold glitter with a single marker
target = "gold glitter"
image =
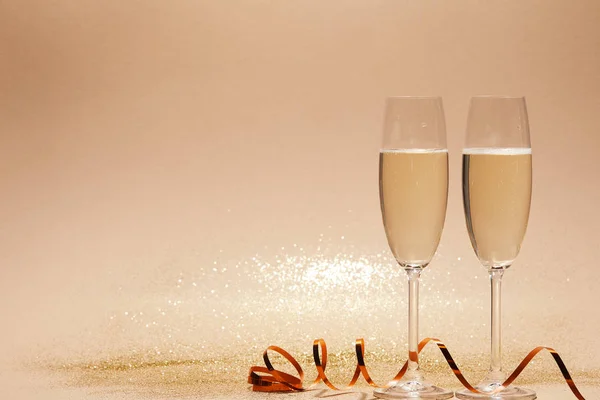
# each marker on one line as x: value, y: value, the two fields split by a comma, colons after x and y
x: 184, y: 376
x: 205, y: 326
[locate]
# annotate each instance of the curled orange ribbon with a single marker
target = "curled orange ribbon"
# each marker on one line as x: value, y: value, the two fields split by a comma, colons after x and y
x: 278, y: 381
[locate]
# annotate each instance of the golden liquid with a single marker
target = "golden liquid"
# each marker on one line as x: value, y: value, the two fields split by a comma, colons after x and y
x: 497, y: 197
x: 413, y: 188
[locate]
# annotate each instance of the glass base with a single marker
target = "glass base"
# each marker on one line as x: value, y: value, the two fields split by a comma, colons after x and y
x: 413, y: 390
x: 511, y: 392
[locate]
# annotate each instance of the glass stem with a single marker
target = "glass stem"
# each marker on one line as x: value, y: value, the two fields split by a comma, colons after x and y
x: 496, y: 373
x: 413, y: 373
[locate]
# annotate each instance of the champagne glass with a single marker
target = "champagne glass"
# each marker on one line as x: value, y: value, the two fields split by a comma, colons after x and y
x: 496, y: 198
x: 413, y: 188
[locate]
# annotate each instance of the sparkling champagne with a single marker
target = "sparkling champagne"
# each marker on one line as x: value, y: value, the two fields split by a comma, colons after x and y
x: 497, y: 196
x: 413, y: 188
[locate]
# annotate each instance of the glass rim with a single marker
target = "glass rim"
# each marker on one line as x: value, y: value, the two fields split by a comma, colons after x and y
x: 414, y: 97
x: 497, y: 96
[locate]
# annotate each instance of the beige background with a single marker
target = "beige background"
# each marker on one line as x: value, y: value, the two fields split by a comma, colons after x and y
x: 143, y: 141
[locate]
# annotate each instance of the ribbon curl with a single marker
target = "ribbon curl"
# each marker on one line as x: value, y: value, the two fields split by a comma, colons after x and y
x: 273, y: 380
